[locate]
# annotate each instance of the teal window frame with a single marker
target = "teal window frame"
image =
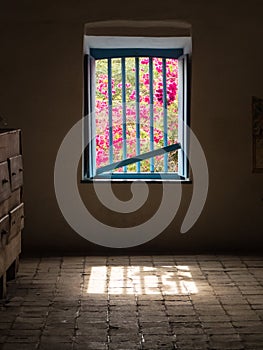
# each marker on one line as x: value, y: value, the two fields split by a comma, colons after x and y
x: 90, y: 173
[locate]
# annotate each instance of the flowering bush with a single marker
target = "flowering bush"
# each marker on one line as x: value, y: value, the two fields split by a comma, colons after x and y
x: 102, y: 109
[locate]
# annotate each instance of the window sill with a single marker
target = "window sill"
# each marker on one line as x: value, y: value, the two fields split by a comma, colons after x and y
x: 156, y: 181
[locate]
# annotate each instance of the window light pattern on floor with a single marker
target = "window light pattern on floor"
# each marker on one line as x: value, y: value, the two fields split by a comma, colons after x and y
x: 141, y: 280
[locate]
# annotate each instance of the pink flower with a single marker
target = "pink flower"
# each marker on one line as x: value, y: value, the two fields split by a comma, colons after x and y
x: 144, y: 60
x: 147, y: 99
x: 132, y: 95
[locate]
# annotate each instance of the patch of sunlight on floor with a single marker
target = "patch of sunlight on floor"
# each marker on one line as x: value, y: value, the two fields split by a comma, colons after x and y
x: 148, y: 280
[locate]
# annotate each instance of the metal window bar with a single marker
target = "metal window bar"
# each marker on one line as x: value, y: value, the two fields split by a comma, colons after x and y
x: 139, y: 158
x: 124, y: 131
x: 91, y: 119
x: 137, y: 89
x: 151, y: 112
x: 165, y: 138
x: 110, y: 109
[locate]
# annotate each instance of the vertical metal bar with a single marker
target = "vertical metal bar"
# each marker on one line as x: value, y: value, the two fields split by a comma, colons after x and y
x: 86, y: 157
x: 151, y: 112
x: 181, y: 115
x: 123, y: 83
x: 186, y: 136
x: 91, y: 132
x: 165, y: 138
x: 137, y: 88
x: 110, y: 109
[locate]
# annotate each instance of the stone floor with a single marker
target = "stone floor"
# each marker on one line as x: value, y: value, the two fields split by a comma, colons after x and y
x: 137, y: 302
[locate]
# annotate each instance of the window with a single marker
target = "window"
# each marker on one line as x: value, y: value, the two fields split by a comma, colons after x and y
x: 136, y: 106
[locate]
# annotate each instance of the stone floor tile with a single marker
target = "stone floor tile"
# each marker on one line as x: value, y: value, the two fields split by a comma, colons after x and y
x: 54, y: 346
x: 91, y: 346
x: 22, y: 346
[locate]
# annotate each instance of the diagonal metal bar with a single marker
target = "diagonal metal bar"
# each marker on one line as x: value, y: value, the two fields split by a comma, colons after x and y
x: 139, y: 158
